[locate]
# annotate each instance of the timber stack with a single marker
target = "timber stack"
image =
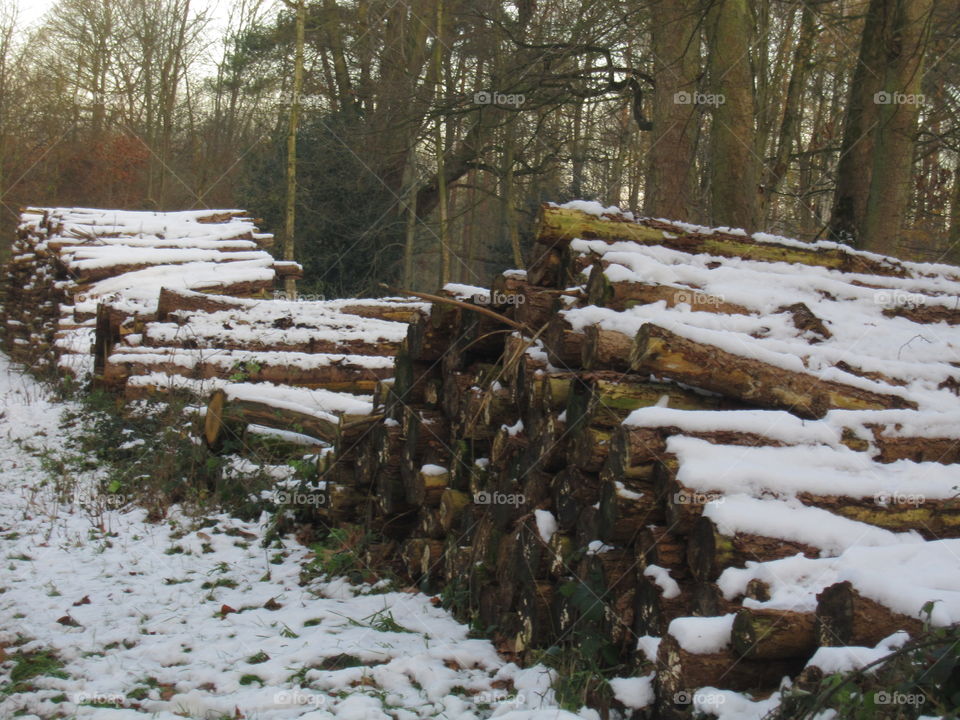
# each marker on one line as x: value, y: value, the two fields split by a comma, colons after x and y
x: 692, y: 456
x: 691, y: 453
x: 66, y: 262
x: 148, y: 304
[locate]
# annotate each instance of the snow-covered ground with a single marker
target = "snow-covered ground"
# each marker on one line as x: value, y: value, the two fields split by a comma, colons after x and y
x: 190, y: 619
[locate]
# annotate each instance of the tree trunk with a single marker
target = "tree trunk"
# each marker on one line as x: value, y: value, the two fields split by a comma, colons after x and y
x: 904, y: 45
x: 670, y: 187
x: 734, y: 197
x: 855, y: 164
x: 290, y: 284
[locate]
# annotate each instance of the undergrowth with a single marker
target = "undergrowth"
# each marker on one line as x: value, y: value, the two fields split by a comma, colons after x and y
x: 146, y: 453
x: 922, y: 678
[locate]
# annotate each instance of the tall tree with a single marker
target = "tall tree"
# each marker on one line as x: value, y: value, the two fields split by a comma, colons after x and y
x: 289, y: 228
x: 904, y: 43
x: 734, y: 197
x: 855, y: 166
x: 670, y: 185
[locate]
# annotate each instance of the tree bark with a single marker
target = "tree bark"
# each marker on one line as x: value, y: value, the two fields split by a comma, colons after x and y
x: 904, y: 45
x: 670, y: 184
x: 734, y: 197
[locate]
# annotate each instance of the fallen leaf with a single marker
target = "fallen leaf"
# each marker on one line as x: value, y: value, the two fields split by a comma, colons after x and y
x: 85, y: 600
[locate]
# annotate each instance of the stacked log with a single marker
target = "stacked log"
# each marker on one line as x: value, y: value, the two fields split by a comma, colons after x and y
x: 528, y: 462
x: 597, y: 450
x: 66, y: 261
x: 201, y: 340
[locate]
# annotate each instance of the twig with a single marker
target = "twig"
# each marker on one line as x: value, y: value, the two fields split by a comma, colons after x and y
x: 459, y: 303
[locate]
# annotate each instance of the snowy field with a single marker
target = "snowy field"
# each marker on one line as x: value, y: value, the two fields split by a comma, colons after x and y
x: 193, y: 618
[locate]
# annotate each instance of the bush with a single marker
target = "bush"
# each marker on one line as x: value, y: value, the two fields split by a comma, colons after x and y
x: 921, y: 678
x: 147, y: 454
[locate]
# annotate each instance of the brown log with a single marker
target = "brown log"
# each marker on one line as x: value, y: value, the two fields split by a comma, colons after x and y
x: 453, y: 506
x: 224, y: 413
x: 534, y: 608
x: 925, y: 314
x: 710, y: 552
x: 605, y: 398
x: 560, y: 551
x: 625, y: 294
x: 680, y: 673
x: 572, y: 492
x: 177, y: 300
x: 762, y: 634
x: 605, y: 349
x: 393, y: 311
x: 426, y: 488
x: 934, y: 518
x: 653, y: 612
x: 625, y: 509
x: 562, y: 344
x: 845, y: 617
x: 944, y: 450
x: 544, y: 266
x: 611, y: 579
x: 429, y: 524
x: 341, y: 374
x: 590, y: 448
x: 706, y: 600
x: 426, y: 343
x: 538, y: 307
x: 557, y: 227
x: 658, y: 545
x: 188, y: 337
x: 664, y: 353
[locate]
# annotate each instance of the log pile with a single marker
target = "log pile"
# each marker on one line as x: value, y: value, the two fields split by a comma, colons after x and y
x: 148, y: 303
x: 65, y: 261
x: 665, y: 448
x: 583, y: 453
x: 203, y: 341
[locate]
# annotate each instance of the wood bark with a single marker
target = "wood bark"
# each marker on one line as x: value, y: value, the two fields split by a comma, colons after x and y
x: 662, y: 352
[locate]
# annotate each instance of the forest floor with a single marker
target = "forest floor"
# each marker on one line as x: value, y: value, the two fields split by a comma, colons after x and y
x: 105, y: 614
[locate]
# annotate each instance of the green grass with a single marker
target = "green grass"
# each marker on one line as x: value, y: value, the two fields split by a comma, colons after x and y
x: 28, y: 666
